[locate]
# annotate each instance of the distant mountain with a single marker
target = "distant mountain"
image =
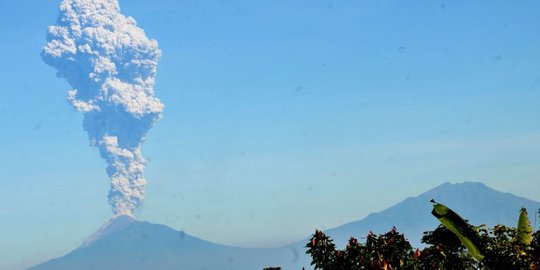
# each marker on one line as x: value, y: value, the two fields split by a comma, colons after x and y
x: 474, y: 201
x: 127, y: 244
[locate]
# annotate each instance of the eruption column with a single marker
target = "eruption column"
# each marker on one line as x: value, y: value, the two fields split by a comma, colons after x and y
x: 111, y: 65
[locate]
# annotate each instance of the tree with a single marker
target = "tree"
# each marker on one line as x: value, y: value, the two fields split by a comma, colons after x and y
x: 453, y: 245
x: 499, y: 248
x: 386, y: 251
x: 444, y: 252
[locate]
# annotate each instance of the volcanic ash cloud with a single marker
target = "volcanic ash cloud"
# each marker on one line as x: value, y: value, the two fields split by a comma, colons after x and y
x: 111, y: 65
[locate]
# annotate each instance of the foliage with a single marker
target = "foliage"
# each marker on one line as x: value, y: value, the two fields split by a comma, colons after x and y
x: 387, y: 251
x: 323, y: 251
x: 524, y: 230
x: 498, y: 248
x: 444, y: 251
x: 456, y: 224
x: 504, y: 250
x: 502, y: 247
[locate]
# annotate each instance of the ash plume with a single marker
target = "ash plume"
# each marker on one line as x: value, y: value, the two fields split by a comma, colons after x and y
x: 111, y: 65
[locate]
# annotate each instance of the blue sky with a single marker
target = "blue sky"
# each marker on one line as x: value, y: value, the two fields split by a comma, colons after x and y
x: 281, y: 117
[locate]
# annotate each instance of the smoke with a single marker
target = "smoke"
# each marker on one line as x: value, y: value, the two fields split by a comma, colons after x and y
x: 111, y: 65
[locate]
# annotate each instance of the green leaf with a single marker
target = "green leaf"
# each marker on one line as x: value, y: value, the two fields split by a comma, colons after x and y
x: 524, y: 230
x: 459, y: 227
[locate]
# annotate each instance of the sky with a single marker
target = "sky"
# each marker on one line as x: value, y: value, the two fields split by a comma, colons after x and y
x: 280, y: 117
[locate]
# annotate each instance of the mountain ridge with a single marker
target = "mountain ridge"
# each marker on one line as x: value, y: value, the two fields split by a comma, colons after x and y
x: 474, y: 201
x: 142, y: 245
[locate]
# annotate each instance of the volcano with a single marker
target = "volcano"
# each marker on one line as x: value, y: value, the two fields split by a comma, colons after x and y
x: 474, y: 201
x: 125, y: 243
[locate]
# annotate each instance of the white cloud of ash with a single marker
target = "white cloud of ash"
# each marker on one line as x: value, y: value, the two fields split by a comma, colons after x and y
x: 111, y: 65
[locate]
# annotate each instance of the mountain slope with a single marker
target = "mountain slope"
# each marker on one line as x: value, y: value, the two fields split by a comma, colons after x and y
x: 125, y: 243
x: 473, y: 201
x: 143, y: 246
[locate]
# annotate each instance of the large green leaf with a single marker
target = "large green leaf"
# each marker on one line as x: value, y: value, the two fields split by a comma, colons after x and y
x: 524, y: 230
x: 459, y: 227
